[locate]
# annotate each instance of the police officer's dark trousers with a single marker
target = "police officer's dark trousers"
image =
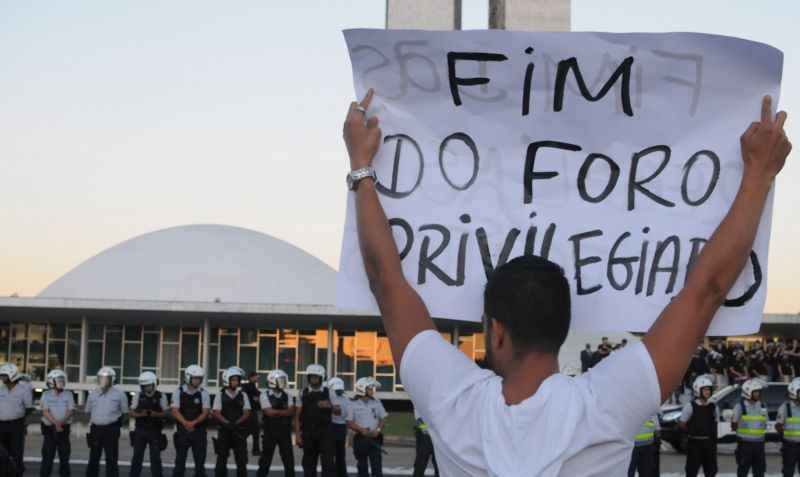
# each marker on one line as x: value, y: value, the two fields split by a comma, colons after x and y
x: 316, y: 446
x: 231, y: 440
x: 339, y: 444
x: 283, y: 441
x: 643, y: 460
x: 424, y: 453
x: 143, y: 438
x: 701, y: 453
x: 750, y: 455
x: 12, y: 438
x: 53, y: 442
x: 105, y: 441
x: 195, y: 440
x: 367, y: 451
x: 791, y: 458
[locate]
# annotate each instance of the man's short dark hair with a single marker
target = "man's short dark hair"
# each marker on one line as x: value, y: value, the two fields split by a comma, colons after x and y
x: 530, y: 296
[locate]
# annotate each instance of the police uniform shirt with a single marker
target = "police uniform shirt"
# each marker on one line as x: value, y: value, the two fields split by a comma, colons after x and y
x: 344, y: 403
x: 366, y: 413
x: 781, y: 419
x: 218, y: 400
x: 58, y: 404
x: 753, y: 409
x: 14, y: 402
x: 568, y: 426
x: 687, y: 411
x: 106, y: 407
x: 28, y: 387
x: 205, y: 398
x: 162, y: 402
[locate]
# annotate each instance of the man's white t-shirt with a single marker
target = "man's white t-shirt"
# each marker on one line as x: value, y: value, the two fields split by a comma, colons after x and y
x: 573, y: 427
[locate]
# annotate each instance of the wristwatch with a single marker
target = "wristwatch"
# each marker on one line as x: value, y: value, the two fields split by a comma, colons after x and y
x: 354, y: 177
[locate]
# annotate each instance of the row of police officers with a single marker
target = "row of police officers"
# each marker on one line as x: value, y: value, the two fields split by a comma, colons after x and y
x: 320, y: 422
x: 699, y: 419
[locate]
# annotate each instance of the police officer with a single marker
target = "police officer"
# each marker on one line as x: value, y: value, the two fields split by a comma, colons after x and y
x: 339, y: 424
x: 644, y: 458
x: 277, y: 423
x: 750, y: 424
x: 105, y: 405
x: 57, y: 406
x: 251, y: 389
x: 366, y: 417
x: 191, y: 405
x: 149, y: 407
x: 14, y: 402
x: 232, y: 410
x: 699, y: 420
x: 313, y: 424
x: 424, y: 448
x: 788, y: 425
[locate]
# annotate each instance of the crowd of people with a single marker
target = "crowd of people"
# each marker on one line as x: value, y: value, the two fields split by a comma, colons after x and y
x: 320, y: 418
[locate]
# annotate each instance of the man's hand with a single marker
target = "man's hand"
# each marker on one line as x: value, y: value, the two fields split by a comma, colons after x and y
x: 298, y: 440
x: 362, y: 137
x: 189, y: 426
x: 673, y: 337
x: 765, y: 145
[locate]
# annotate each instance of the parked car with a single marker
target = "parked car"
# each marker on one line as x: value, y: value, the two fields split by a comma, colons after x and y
x: 726, y: 399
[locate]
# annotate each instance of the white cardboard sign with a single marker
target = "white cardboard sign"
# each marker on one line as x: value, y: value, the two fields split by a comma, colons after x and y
x: 614, y: 155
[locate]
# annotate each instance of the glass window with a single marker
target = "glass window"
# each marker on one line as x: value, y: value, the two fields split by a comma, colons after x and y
x: 36, y: 338
x: 4, y: 342
x: 95, y: 332
x: 384, y: 363
x: 345, y: 353
x: 466, y: 344
x: 133, y: 333
x: 227, y: 351
x: 55, y: 355
x: 190, y: 349
x: 73, y: 374
x: 169, y: 361
x: 286, y: 362
x: 387, y: 383
x: 58, y: 331
x: 37, y: 372
x: 266, y: 353
x: 19, y: 345
x: 133, y: 355
x: 150, y: 350
x: 94, y: 357
x: 213, y: 362
x: 74, y: 347
x: 306, y: 349
x: 247, y: 358
x: 171, y: 334
x: 349, y: 383
x: 113, y: 356
x: 365, y: 353
x: 248, y: 336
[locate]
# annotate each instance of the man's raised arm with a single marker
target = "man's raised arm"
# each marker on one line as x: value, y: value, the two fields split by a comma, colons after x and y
x: 404, y: 314
x: 683, y: 323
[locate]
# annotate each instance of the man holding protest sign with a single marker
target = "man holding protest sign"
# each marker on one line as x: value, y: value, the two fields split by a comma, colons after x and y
x: 522, y: 415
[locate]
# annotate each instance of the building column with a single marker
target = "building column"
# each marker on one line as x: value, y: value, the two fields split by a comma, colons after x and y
x: 530, y: 15
x: 83, y: 355
x: 456, y: 336
x: 423, y: 14
x: 329, y: 356
x: 205, y: 349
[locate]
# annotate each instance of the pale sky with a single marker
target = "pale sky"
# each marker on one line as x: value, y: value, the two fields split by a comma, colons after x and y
x: 121, y: 118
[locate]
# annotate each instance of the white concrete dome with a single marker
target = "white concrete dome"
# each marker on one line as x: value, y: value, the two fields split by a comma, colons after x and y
x: 201, y: 263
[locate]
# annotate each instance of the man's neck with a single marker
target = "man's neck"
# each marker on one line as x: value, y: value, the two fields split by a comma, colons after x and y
x: 528, y: 373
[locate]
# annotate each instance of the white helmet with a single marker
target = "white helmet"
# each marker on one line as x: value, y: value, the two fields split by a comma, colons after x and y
x: 10, y: 370
x: 336, y: 384
x: 363, y: 384
x: 277, y: 379
x: 107, y: 372
x: 701, y: 382
x: 231, y: 372
x: 316, y: 370
x: 750, y: 386
x: 794, y: 389
x: 148, y: 378
x: 193, y: 371
x: 55, y: 376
